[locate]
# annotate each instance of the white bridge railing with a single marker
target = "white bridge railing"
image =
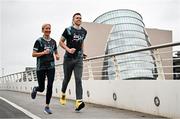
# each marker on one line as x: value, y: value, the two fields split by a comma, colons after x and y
x: 106, y: 80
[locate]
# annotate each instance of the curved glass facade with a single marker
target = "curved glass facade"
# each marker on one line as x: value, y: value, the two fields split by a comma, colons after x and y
x: 128, y: 34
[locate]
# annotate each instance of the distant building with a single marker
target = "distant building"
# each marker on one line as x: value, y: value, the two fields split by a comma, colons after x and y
x: 176, y: 70
x: 128, y: 33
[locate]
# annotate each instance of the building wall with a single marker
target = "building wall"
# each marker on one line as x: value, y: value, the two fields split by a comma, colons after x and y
x: 97, y: 36
x: 157, y: 37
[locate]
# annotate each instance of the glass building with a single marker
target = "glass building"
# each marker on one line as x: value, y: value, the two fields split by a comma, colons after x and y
x: 128, y: 33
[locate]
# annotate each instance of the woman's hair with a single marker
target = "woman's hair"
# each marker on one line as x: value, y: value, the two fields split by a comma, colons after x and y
x: 44, y: 25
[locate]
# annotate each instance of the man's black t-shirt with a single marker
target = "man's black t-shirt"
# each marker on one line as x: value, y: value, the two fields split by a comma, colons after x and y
x: 74, y: 39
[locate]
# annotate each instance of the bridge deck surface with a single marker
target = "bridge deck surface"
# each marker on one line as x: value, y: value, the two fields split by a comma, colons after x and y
x: 91, y: 111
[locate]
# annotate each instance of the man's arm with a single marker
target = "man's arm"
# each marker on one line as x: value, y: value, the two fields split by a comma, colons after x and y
x: 64, y: 46
x: 84, y: 55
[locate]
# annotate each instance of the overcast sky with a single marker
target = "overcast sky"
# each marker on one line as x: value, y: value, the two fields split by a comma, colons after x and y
x: 21, y: 20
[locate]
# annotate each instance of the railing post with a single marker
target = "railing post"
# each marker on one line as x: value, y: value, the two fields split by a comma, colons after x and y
x: 14, y: 77
x: 32, y: 76
x: 7, y: 78
x: 58, y: 72
x: 22, y: 76
x: 158, y: 61
x: 117, y: 69
x: 4, y: 80
x: 25, y: 76
x: 90, y: 72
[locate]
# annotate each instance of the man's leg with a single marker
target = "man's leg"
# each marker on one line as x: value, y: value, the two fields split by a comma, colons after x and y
x: 68, y: 68
x: 78, y: 69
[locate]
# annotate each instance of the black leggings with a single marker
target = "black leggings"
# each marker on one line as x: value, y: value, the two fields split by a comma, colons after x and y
x: 41, y: 76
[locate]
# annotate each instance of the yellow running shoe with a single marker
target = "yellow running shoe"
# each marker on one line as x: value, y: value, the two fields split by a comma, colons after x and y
x: 62, y: 99
x: 79, y: 105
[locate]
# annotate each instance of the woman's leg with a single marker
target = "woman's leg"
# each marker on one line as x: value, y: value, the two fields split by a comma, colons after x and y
x: 50, y: 77
x: 41, y: 80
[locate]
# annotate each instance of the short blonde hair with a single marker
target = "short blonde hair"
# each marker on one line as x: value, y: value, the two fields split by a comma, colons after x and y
x: 44, y: 25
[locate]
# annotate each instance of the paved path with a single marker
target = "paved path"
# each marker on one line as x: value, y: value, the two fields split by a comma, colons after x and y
x: 91, y: 111
x: 8, y: 111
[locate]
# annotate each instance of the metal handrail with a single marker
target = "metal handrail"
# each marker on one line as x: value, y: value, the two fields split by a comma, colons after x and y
x: 111, y: 55
x: 133, y: 51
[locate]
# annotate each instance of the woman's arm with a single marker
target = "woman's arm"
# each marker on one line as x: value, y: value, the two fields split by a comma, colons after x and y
x: 39, y: 54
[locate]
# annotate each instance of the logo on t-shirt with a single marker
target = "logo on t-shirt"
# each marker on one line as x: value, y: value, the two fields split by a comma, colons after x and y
x: 78, y: 37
